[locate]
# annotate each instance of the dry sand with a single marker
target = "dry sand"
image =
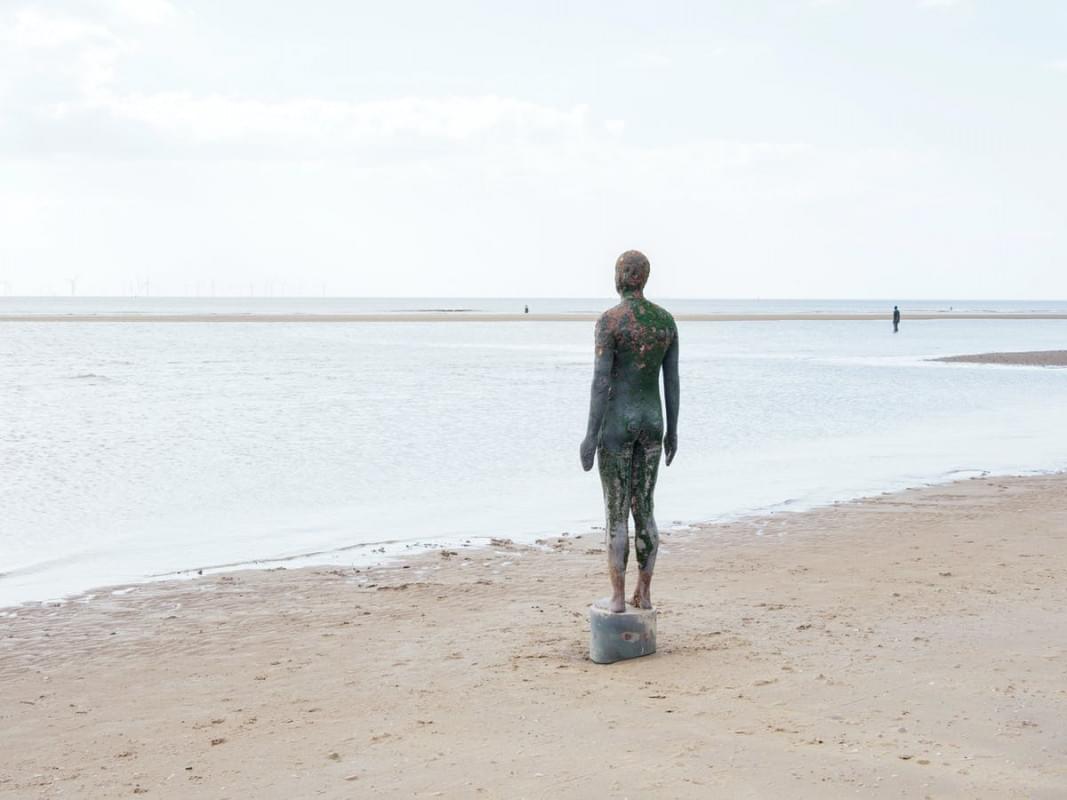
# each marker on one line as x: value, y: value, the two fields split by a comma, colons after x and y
x: 440, y: 316
x: 1034, y: 358
x: 913, y: 645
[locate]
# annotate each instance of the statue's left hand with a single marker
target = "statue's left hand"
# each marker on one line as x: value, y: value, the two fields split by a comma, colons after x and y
x: 587, y: 451
x: 670, y: 446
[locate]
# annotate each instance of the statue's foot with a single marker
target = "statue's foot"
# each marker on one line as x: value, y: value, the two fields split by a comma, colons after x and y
x: 618, y: 604
x: 638, y: 601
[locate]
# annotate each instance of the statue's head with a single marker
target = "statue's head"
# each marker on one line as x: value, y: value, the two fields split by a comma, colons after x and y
x: 631, y: 271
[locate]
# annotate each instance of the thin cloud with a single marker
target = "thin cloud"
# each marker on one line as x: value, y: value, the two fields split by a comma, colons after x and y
x: 143, y: 12
x: 75, y: 105
x: 51, y: 54
x: 316, y: 122
x: 34, y: 28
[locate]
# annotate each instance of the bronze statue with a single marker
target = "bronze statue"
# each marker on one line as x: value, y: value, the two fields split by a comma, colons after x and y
x: 634, y: 341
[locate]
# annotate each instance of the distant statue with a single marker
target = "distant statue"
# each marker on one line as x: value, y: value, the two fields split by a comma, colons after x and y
x: 896, y: 319
x: 634, y: 341
x: 526, y: 309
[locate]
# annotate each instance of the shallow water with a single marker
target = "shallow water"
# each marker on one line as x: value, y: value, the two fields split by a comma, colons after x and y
x: 129, y: 450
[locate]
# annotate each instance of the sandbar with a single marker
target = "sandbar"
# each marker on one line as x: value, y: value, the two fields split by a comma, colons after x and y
x: 1033, y: 358
x: 459, y: 316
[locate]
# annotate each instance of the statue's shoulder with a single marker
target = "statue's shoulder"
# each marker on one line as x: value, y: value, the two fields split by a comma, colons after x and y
x: 609, y: 320
x: 662, y: 316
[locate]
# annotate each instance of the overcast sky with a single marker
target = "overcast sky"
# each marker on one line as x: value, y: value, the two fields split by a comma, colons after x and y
x: 816, y: 148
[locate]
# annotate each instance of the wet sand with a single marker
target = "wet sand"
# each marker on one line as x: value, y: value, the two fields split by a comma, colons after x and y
x: 1035, y: 358
x: 911, y: 645
x: 494, y: 317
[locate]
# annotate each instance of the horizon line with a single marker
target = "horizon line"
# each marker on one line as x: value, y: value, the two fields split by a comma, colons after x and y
x: 517, y: 298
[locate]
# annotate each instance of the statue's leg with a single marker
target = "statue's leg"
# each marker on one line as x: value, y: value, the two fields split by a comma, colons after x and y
x: 614, y: 467
x: 644, y: 470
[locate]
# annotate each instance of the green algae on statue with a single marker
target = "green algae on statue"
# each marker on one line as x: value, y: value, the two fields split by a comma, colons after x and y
x: 635, y: 340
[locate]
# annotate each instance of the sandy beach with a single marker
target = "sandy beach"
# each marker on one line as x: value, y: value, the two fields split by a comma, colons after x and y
x: 910, y: 645
x: 459, y: 316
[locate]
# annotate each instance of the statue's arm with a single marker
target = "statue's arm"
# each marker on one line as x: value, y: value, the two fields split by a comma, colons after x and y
x: 672, y: 392
x: 604, y: 360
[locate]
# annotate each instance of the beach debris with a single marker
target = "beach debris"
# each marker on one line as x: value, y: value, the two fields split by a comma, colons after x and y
x: 218, y: 740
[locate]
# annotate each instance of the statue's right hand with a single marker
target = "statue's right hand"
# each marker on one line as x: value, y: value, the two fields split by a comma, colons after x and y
x: 587, y: 451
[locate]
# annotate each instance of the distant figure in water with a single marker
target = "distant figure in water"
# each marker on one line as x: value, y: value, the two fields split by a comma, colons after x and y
x: 896, y: 319
x: 526, y: 310
x: 635, y: 341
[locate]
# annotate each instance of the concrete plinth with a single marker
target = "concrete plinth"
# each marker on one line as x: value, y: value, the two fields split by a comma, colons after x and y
x: 614, y: 637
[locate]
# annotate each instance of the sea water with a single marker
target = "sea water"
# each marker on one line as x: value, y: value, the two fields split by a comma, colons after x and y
x: 134, y: 450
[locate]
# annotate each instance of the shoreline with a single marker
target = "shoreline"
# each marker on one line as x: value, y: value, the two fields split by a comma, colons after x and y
x: 897, y: 645
x: 500, y: 317
x: 387, y: 553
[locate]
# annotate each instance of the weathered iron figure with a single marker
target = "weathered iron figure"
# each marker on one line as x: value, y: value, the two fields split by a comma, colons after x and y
x: 634, y: 341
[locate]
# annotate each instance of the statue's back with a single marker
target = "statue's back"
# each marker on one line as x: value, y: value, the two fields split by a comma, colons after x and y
x: 640, y: 334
